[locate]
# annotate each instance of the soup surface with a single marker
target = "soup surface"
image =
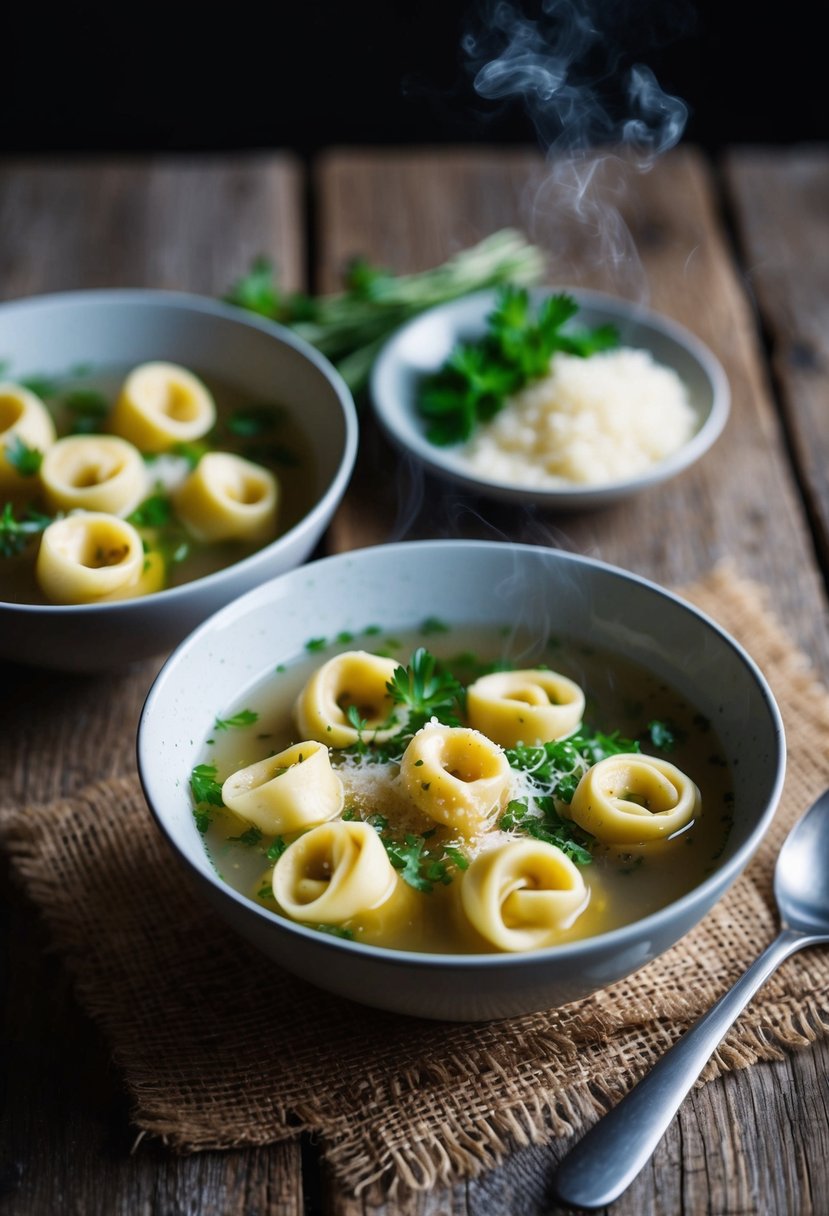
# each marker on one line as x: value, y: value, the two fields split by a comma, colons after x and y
x: 81, y: 403
x: 442, y: 872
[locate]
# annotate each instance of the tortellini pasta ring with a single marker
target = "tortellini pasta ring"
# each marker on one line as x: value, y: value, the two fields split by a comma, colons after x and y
x: 521, y: 895
x: 23, y: 418
x: 161, y: 404
x: 632, y: 798
x: 530, y: 706
x: 455, y: 775
x: 93, y: 473
x: 354, y: 680
x: 293, y: 790
x: 333, y: 873
x: 228, y: 498
x: 87, y: 557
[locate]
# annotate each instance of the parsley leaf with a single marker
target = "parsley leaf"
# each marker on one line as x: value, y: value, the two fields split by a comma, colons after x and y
x: 16, y: 534
x: 251, y: 836
x: 20, y: 456
x: 204, y: 786
x: 245, y: 717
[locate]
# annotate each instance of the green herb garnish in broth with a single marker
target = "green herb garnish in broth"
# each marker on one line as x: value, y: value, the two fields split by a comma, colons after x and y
x: 25, y: 460
x: 16, y: 534
x: 80, y: 403
x: 245, y: 717
x: 430, y: 858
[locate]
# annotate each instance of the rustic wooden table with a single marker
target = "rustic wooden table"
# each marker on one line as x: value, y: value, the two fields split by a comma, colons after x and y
x: 738, y: 251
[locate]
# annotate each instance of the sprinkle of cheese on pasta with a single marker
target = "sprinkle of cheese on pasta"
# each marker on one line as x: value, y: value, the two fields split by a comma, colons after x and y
x: 591, y: 421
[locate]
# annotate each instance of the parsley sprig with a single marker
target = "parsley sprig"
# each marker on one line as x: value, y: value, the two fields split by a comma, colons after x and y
x: 473, y: 384
x: 427, y: 689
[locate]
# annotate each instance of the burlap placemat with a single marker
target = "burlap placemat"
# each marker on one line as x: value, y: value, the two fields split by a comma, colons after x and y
x: 220, y: 1048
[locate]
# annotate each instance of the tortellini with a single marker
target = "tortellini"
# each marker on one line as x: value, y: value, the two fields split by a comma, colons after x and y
x: 89, y: 557
x: 228, y: 498
x: 520, y: 895
x: 23, y: 418
x: 631, y: 798
x: 284, y: 793
x: 161, y: 404
x: 93, y: 473
x: 333, y: 873
x: 355, y: 680
x: 529, y: 707
x: 455, y: 775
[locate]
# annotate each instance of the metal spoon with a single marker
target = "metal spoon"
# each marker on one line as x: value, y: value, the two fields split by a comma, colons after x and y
x: 607, y: 1159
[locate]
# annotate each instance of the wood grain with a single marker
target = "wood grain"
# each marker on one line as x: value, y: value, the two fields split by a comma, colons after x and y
x: 780, y: 202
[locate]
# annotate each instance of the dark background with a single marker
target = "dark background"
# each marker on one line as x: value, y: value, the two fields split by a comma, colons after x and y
x: 107, y: 77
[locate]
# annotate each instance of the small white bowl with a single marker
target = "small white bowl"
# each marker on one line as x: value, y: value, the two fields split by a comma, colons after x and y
x: 52, y: 333
x: 471, y: 584
x: 422, y: 345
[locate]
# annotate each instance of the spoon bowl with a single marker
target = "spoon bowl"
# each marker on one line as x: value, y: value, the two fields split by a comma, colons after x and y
x: 801, y: 877
x: 605, y: 1161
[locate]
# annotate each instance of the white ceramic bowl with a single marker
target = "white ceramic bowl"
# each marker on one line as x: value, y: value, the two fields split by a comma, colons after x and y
x: 423, y: 344
x: 50, y: 334
x: 464, y: 583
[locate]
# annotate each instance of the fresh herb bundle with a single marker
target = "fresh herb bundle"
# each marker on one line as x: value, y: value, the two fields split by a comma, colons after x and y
x: 350, y: 326
x: 473, y: 384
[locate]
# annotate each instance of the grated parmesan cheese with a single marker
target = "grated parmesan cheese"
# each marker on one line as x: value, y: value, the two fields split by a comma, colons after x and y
x: 591, y: 421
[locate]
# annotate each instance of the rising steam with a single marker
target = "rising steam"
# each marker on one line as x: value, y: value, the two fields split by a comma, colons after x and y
x: 566, y: 67
x: 596, y: 118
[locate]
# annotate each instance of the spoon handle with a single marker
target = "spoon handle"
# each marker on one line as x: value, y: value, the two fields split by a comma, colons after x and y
x: 607, y: 1159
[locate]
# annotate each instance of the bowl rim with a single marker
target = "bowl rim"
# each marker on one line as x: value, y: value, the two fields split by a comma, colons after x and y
x: 208, y: 306
x: 396, y: 417
x: 704, y: 894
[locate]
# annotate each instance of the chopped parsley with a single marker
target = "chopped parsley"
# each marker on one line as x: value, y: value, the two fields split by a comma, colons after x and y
x: 204, y: 786
x: 20, y: 456
x: 251, y: 836
x: 16, y: 534
x: 154, y: 512
x: 544, y: 823
x: 419, y: 864
x: 245, y: 717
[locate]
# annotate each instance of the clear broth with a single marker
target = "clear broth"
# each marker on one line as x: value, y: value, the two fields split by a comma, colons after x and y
x: 626, y: 883
x: 282, y: 447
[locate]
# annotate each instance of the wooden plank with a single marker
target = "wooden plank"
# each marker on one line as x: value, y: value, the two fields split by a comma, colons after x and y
x: 409, y: 211
x: 780, y: 201
x: 184, y: 224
